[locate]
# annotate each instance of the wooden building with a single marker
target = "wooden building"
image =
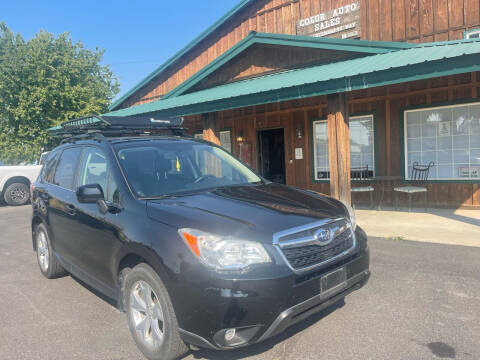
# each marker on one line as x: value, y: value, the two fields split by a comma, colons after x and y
x: 305, y: 91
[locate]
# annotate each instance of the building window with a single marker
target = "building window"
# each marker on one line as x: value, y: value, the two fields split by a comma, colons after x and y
x: 447, y: 135
x: 472, y: 34
x: 362, y: 154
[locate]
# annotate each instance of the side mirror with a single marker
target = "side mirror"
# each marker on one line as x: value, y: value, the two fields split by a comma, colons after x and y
x: 90, y: 193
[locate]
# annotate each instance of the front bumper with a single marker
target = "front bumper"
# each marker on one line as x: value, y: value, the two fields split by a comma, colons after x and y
x: 276, y: 304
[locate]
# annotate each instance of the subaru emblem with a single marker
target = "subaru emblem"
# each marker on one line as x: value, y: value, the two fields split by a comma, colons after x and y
x: 323, y: 236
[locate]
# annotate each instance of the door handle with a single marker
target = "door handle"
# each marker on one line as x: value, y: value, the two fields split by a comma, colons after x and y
x: 71, y: 210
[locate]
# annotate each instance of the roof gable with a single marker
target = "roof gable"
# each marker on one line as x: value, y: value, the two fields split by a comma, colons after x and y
x: 419, y: 62
x: 263, y: 59
x: 344, y: 49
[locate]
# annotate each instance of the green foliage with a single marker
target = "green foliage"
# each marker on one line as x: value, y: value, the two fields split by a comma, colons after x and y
x: 43, y: 82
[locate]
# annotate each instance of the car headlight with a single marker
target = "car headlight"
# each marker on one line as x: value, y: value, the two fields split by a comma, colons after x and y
x: 224, y: 253
x: 351, y: 214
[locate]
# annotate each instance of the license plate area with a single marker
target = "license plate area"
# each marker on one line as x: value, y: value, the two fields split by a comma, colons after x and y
x: 333, y: 282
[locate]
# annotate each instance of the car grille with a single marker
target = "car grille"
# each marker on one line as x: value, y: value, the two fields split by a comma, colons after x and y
x: 307, y: 255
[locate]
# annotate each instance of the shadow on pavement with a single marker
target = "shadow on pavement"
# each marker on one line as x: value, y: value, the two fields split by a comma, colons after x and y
x: 461, y: 218
x: 105, y: 298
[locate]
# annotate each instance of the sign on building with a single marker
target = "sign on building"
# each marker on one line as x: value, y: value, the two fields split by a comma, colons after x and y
x: 343, y: 22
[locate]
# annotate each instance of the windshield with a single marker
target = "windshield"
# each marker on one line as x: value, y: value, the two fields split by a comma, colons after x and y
x: 167, y: 167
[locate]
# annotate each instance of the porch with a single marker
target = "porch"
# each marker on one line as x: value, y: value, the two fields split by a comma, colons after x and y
x: 454, y: 227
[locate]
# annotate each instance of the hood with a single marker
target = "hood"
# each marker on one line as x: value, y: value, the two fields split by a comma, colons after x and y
x: 245, y: 211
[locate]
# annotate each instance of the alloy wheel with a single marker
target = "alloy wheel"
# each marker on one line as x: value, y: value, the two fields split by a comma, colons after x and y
x: 147, y: 314
x: 42, y: 251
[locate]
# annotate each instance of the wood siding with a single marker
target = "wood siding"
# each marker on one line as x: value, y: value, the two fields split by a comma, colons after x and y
x: 387, y: 20
x: 267, y: 59
x: 386, y: 103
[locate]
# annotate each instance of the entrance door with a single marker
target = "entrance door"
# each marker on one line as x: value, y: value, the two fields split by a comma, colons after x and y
x: 271, y: 155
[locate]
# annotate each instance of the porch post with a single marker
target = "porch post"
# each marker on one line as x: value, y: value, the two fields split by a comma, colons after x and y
x: 209, y: 124
x: 339, y: 146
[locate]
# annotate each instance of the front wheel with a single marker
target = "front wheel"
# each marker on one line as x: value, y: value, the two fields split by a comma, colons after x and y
x: 16, y: 194
x: 150, y: 315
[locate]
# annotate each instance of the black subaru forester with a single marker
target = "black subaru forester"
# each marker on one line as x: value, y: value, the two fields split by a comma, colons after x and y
x: 195, y: 247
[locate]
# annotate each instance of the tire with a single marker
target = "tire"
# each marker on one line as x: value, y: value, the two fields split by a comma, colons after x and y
x: 47, y: 262
x: 16, y: 194
x: 154, y: 327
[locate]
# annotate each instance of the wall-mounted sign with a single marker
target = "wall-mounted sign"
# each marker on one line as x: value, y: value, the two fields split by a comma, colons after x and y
x: 444, y: 128
x: 472, y: 171
x: 298, y: 154
x: 343, y: 22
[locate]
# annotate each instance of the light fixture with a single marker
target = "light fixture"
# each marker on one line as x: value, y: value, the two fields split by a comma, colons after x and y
x: 240, y: 136
x: 299, y: 132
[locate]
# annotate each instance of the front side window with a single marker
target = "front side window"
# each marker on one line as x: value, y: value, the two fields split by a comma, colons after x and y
x: 65, y: 173
x: 172, y: 167
x: 362, y: 154
x: 94, y: 169
x: 448, y: 136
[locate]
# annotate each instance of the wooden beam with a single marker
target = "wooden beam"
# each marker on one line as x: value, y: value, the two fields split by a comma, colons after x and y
x: 339, y: 146
x: 209, y: 124
x: 474, y: 88
x: 388, y: 142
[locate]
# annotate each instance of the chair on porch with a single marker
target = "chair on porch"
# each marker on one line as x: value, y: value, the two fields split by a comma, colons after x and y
x: 361, y: 174
x: 419, y: 179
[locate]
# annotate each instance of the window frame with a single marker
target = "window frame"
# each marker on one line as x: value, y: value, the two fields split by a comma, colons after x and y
x: 403, y: 139
x: 313, y: 149
x: 467, y: 33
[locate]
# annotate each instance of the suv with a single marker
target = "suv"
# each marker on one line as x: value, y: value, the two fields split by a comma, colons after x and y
x: 194, y: 246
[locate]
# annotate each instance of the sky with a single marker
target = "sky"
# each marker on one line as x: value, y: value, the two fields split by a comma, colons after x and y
x: 138, y: 36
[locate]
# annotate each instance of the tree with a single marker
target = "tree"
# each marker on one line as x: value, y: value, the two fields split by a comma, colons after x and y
x: 43, y: 82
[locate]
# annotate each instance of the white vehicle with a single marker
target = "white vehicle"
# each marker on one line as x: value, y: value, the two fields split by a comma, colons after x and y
x: 15, y: 182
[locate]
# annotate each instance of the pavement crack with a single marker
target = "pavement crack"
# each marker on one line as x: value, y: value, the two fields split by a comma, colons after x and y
x: 32, y: 304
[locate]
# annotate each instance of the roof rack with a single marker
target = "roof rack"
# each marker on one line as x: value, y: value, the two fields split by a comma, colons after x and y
x: 97, y: 126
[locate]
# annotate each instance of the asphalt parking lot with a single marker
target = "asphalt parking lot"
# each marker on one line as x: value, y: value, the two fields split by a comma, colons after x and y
x: 422, y: 302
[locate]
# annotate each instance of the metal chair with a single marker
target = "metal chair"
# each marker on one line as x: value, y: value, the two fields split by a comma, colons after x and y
x: 419, y: 178
x: 361, y: 174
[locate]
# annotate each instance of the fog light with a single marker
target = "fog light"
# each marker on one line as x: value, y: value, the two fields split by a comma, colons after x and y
x: 233, y: 337
x: 229, y: 334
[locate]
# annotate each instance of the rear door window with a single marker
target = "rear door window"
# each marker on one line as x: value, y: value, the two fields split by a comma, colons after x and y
x: 65, y: 173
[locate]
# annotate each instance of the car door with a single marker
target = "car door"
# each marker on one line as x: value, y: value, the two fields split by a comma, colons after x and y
x: 97, y: 238
x: 60, y: 199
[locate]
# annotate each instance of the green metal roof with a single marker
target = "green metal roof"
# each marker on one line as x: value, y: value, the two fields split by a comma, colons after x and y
x: 355, y: 46
x: 182, y: 52
x: 420, y: 62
